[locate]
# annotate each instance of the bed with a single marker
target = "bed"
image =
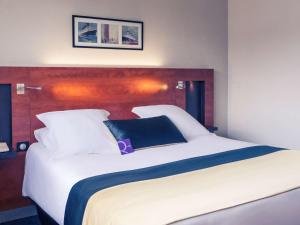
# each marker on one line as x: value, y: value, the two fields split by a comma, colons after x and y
x: 60, y: 187
x: 48, y: 182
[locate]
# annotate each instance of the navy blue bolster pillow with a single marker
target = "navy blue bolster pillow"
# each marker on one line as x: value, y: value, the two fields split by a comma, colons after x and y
x: 146, y: 132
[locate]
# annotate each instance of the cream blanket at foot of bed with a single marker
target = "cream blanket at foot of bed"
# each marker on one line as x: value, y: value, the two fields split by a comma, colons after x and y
x: 169, y: 199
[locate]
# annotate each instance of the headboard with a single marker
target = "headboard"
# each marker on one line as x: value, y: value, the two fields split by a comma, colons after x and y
x: 114, y: 89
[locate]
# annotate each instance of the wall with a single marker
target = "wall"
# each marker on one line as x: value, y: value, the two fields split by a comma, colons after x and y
x: 191, y: 34
x: 264, y: 72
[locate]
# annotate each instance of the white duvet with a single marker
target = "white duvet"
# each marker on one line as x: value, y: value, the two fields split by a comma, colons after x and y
x: 48, y: 181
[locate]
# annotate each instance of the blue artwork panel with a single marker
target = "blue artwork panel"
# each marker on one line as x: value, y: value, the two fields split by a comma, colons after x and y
x: 130, y: 35
x: 5, y: 114
x: 87, y: 32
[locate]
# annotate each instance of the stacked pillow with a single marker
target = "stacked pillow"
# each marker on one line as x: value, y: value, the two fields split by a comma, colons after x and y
x: 75, y: 131
x: 90, y: 131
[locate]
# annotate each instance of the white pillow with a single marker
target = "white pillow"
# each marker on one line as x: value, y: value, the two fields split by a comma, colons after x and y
x: 188, y: 126
x: 77, y: 131
x: 41, y: 135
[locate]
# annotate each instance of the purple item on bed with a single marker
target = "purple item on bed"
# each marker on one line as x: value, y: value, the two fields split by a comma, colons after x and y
x: 125, y: 146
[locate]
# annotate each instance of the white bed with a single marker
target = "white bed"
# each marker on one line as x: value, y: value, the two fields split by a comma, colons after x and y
x: 48, y: 181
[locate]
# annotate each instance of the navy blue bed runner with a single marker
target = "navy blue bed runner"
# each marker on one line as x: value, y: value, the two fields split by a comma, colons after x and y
x: 84, y: 189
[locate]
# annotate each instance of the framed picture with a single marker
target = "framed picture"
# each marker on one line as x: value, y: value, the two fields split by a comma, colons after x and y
x: 96, y: 32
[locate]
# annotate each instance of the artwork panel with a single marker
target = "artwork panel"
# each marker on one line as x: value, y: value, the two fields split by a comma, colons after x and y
x: 109, y: 34
x: 130, y: 35
x: 87, y: 32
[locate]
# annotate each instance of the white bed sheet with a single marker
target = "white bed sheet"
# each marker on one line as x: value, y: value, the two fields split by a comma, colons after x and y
x: 48, y: 181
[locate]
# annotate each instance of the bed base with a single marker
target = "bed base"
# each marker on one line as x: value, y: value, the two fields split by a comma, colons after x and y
x: 277, y: 210
x: 45, y: 219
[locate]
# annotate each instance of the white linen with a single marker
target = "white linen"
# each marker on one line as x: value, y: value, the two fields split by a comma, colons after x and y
x: 188, y: 125
x: 48, y: 181
x: 41, y: 135
x: 75, y: 131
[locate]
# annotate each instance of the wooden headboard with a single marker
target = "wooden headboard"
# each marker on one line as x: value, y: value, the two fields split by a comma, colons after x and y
x: 114, y: 89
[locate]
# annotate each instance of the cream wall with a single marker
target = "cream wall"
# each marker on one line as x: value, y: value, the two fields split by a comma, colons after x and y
x: 191, y: 34
x: 264, y: 71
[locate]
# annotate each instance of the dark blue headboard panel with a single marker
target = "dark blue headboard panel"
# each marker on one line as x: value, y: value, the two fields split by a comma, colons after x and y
x: 5, y: 114
x: 195, y: 99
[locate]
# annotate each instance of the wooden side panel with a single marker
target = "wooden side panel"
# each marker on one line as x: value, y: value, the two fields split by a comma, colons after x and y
x: 12, y: 170
x: 20, y: 103
x: 114, y: 89
x: 11, y: 173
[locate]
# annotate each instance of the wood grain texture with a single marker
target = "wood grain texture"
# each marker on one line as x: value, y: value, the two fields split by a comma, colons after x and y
x: 11, y: 173
x: 20, y: 103
x: 114, y: 89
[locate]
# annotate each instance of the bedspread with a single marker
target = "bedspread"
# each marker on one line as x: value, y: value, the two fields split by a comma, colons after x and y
x: 170, y: 192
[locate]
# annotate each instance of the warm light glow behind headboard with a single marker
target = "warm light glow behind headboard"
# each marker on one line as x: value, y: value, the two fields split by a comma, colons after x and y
x: 74, y: 91
x: 148, y: 86
x: 87, y: 91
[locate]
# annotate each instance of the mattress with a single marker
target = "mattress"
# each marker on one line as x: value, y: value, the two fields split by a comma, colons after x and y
x: 48, y: 181
x: 282, y: 209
